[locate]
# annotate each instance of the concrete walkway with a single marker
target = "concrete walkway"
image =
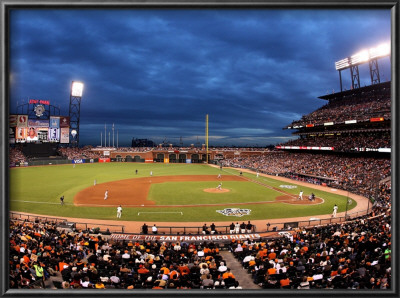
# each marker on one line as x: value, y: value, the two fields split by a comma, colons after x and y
x: 241, y: 275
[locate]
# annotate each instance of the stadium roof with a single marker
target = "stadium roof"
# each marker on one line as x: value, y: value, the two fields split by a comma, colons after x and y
x: 356, y: 91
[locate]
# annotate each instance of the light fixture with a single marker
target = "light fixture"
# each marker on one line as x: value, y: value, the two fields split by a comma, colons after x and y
x: 77, y: 89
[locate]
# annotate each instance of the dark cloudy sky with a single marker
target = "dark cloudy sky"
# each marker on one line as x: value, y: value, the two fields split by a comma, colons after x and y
x: 156, y: 73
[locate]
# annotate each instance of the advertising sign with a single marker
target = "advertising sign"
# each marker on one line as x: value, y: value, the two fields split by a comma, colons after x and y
x: 64, y: 121
x: 78, y: 161
x: 64, y: 135
x: 102, y: 159
x: 21, y: 134
x: 12, y: 120
x: 38, y: 123
x: 54, y: 134
x: 54, y: 122
x: 22, y: 121
x: 11, y: 135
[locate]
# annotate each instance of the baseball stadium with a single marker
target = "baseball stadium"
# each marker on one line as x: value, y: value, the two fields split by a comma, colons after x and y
x: 310, y: 213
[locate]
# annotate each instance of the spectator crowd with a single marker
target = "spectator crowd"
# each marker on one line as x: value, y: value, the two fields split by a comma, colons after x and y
x: 360, y: 107
x: 350, y: 255
x: 91, y: 261
x: 357, y: 174
x: 346, y: 142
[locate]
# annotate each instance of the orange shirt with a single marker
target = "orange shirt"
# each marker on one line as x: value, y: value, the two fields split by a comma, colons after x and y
x: 285, y: 282
x: 165, y: 270
x: 184, y: 270
x: 271, y: 271
x: 174, y: 274
x: 143, y: 271
x: 227, y: 275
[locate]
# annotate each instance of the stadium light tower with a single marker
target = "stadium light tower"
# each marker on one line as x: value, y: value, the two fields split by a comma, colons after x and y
x: 371, y: 56
x: 75, y: 111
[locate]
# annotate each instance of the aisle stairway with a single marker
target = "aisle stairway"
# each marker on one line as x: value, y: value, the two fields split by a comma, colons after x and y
x: 241, y: 275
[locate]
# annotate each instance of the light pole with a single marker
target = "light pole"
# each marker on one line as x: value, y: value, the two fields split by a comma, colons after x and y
x: 74, y: 111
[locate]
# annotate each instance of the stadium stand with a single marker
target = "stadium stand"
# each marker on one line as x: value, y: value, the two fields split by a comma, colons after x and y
x: 355, y: 254
x: 92, y: 261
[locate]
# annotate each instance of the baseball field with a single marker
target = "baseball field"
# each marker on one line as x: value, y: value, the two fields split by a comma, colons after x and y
x: 162, y: 193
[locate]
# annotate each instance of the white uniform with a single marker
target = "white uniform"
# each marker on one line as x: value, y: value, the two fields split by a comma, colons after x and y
x: 301, y: 195
x: 106, y: 195
x: 119, y: 212
x: 219, y: 186
x: 258, y: 174
x: 237, y: 228
x: 334, y: 211
x: 151, y: 173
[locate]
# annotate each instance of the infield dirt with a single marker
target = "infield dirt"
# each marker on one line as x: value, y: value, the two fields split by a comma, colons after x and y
x: 134, y: 192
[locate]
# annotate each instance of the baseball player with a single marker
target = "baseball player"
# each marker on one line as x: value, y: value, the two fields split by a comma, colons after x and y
x: 119, y: 211
x: 106, y: 195
x: 335, y: 208
x: 301, y: 195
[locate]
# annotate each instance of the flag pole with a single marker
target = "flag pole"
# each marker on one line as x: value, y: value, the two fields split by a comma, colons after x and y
x: 113, y: 134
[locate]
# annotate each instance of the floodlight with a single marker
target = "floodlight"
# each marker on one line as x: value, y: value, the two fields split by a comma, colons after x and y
x: 360, y: 57
x: 77, y: 89
x: 380, y: 51
x: 73, y: 133
x: 364, y: 56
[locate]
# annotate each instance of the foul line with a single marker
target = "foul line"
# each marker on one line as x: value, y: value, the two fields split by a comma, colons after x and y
x: 159, y: 212
x: 39, y: 202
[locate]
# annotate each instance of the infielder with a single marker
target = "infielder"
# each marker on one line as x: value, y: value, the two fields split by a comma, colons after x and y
x: 106, y: 195
x: 301, y: 195
x: 219, y: 186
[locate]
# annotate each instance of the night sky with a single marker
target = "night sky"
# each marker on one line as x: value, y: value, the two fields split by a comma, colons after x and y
x: 156, y: 73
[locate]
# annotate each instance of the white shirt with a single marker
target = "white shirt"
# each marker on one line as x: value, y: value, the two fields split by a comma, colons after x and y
x: 119, y: 209
x: 154, y: 229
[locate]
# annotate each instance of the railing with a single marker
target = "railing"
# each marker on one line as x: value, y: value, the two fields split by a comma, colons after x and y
x: 30, y: 217
x: 189, y: 230
x: 64, y: 223
x: 198, y: 230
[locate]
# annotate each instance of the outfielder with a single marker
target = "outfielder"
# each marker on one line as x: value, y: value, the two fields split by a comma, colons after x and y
x: 119, y: 211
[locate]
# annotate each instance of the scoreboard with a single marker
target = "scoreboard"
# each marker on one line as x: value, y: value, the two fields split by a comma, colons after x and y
x: 25, y: 130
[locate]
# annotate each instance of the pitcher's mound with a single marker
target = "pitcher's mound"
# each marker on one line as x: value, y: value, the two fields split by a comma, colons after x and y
x: 216, y: 190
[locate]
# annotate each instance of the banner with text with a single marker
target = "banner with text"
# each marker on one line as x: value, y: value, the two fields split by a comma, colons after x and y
x: 215, y: 238
x: 64, y: 135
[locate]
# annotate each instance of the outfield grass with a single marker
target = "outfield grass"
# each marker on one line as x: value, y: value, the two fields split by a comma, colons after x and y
x: 38, y: 189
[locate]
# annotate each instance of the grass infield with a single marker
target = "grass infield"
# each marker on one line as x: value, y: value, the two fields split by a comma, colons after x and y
x: 38, y: 190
